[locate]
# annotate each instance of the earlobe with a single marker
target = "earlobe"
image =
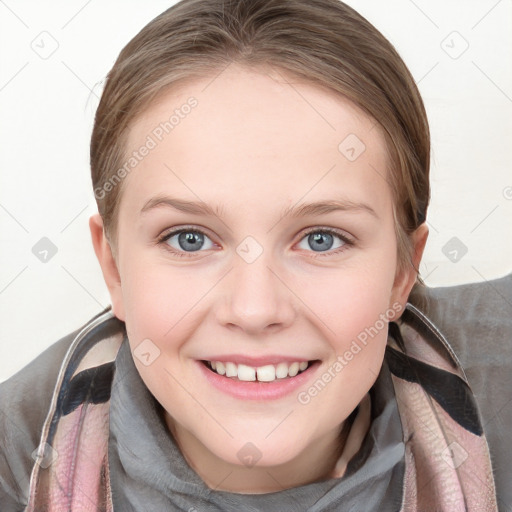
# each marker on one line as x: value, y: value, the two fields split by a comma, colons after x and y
x: 108, y: 265
x: 406, y: 279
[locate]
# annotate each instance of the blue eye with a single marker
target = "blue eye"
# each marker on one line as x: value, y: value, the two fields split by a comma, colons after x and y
x: 324, y: 241
x: 187, y: 240
x: 320, y: 241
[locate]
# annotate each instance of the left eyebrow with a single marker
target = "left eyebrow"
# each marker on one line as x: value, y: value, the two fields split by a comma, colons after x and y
x: 328, y: 206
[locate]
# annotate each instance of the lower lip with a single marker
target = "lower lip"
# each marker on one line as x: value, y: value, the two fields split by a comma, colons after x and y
x: 255, y: 390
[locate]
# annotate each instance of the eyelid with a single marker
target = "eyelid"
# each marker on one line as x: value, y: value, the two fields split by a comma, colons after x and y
x: 349, y: 239
x: 168, y: 233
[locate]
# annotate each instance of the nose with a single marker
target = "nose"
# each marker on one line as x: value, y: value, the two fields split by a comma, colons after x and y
x: 257, y: 299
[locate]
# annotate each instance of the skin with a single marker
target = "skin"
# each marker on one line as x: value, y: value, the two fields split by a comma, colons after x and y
x: 255, y: 146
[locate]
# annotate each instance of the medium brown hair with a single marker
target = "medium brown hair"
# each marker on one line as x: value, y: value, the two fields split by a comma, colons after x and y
x: 322, y: 41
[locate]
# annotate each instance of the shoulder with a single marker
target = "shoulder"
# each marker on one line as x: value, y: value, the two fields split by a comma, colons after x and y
x: 476, y: 320
x: 25, y: 399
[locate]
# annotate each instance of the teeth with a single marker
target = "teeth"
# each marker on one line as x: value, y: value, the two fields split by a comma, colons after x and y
x: 282, y: 370
x: 246, y: 372
x: 231, y: 370
x: 220, y: 368
x: 267, y: 373
x: 293, y: 370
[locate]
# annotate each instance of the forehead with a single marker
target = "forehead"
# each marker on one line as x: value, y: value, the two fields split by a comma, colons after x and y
x: 253, y: 134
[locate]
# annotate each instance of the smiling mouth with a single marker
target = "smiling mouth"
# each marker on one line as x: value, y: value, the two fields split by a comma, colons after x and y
x: 267, y: 373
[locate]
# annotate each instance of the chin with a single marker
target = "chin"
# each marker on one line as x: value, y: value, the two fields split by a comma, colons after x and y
x: 249, y: 450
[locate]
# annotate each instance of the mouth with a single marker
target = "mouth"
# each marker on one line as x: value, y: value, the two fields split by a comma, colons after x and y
x: 265, y: 382
x: 266, y: 373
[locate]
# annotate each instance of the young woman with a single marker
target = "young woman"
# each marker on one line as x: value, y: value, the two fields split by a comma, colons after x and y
x: 261, y: 172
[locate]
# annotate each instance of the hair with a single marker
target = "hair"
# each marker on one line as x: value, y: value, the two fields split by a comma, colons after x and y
x: 324, y: 42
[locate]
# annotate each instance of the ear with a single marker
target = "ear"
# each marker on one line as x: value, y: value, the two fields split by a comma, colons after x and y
x: 404, y: 281
x: 108, y: 265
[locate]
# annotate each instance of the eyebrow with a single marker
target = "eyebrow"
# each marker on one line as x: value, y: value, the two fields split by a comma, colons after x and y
x: 193, y: 207
x: 328, y: 206
x: 303, y: 210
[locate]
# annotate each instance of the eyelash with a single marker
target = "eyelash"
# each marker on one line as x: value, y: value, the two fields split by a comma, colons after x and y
x: 183, y: 254
x: 347, y: 242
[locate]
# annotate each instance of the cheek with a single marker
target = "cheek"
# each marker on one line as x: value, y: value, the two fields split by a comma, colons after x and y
x: 354, y: 309
x: 351, y: 299
x: 354, y: 306
x: 161, y: 306
x: 157, y: 297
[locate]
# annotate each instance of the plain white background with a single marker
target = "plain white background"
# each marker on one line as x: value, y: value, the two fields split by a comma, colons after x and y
x: 55, y: 56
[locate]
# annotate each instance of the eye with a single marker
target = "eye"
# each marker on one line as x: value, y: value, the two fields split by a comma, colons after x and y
x: 184, y: 241
x: 325, y: 240
x: 187, y: 240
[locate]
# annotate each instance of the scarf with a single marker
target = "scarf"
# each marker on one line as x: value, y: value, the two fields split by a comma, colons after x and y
x: 447, y: 462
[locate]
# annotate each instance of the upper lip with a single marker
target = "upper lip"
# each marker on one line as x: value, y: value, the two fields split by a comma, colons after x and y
x: 256, y: 361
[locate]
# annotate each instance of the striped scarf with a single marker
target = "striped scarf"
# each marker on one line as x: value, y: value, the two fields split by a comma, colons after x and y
x: 447, y: 462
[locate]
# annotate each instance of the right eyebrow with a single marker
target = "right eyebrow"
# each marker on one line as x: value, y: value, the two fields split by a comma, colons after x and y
x: 193, y: 207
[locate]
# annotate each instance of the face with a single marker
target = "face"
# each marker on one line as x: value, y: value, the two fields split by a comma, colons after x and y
x: 256, y: 237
